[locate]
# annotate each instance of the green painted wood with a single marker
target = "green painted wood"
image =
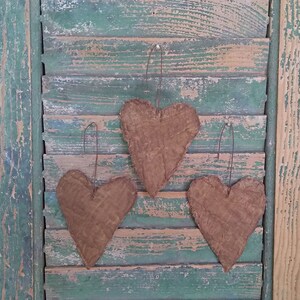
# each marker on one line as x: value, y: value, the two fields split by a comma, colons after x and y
x: 128, y: 56
x: 15, y: 152
x: 37, y: 150
x: 212, y: 19
x: 146, y: 246
x: 167, y: 210
x: 271, y: 111
x: 75, y: 95
x: 244, y: 281
x: 63, y: 134
x: 192, y: 166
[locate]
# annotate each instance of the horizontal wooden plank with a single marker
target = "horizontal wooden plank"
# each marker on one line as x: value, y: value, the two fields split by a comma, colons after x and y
x: 75, y: 95
x: 146, y: 246
x: 128, y: 56
x: 244, y: 281
x: 213, y: 18
x: 192, y: 166
x: 167, y: 210
x: 63, y: 134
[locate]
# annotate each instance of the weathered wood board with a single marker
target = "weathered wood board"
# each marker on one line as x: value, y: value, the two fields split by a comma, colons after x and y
x: 192, y: 166
x: 146, y: 246
x: 63, y: 134
x: 123, y: 56
x: 86, y: 95
x: 205, y: 19
x: 155, y: 282
x: 287, y: 193
x: 16, y: 254
x: 167, y: 210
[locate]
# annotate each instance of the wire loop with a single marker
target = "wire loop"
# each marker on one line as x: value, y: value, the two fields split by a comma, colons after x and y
x: 158, y: 91
x: 93, y: 124
x: 230, y: 163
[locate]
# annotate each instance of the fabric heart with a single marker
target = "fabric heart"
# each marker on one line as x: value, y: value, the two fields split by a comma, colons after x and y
x: 157, y: 139
x: 226, y: 220
x: 93, y: 215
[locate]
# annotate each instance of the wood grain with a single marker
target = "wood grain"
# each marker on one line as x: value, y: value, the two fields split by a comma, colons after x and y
x: 85, y: 95
x: 155, y: 282
x: 16, y: 258
x: 193, y: 165
x: 63, y: 134
x: 213, y: 18
x: 167, y: 210
x: 128, y: 56
x: 287, y: 194
x: 146, y: 246
x: 95, y: 58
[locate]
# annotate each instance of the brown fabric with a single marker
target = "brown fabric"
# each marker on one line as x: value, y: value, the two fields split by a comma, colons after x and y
x: 157, y: 139
x: 226, y: 221
x: 93, y: 218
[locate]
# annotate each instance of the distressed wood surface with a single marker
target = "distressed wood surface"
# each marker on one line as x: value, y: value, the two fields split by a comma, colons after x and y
x: 128, y: 56
x: 75, y: 95
x: 213, y: 18
x: 155, y: 282
x: 167, y: 210
x: 63, y: 134
x: 146, y: 246
x: 15, y: 152
x: 192, y: 166
x: 215, y: 59
x: 287, y: 194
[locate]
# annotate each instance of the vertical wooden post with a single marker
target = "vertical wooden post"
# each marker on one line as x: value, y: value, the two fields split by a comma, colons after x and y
x: 37, y: 149
x: 16, y: 151
x: 287, y: 197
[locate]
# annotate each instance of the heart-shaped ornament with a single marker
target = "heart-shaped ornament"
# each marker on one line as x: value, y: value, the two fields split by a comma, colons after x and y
x: 226, y: 220
x: 157, y: 139
x: 93, y: 215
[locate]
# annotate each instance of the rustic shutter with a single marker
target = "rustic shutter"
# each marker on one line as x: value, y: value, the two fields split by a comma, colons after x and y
x: 215, y: 59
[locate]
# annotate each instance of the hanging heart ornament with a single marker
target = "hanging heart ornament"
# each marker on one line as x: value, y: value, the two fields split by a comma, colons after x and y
x: 93, y: 213
x: 157, y: 139
x: 226, y: 216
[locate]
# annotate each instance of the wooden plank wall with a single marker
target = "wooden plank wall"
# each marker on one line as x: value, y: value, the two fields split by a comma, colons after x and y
x: 287, y: 212
x: 16, y: 255
x: 215, y: 59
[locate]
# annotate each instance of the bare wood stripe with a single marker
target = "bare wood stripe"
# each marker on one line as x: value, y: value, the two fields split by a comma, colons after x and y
x: 205, y: 19
x: 146, y: 246
x: 86, y: 95
x: 244, y: 281
x: 63, y: 134
x: 192, y: 166
x: 128, y: 56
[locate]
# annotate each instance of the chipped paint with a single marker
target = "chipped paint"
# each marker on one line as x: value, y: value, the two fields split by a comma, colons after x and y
x: 3, y: 94
x: 157, y: 18
x: 245, y: 164
x: 222, y: 57
x: 20, y: 129
x: 189, y: 93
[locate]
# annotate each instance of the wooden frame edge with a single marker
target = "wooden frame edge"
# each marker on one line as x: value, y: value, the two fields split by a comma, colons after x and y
x: 37, y: 150
x: 271, y: 111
